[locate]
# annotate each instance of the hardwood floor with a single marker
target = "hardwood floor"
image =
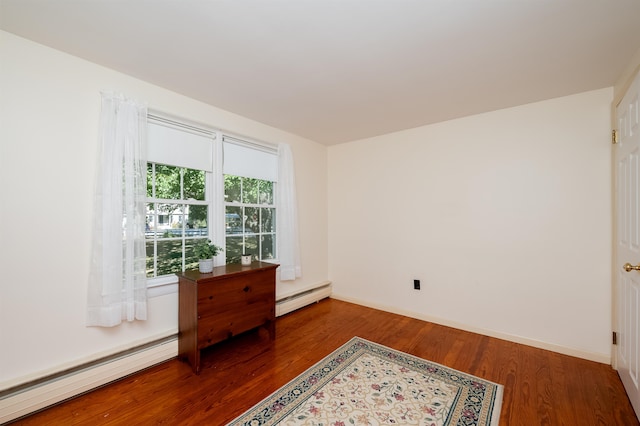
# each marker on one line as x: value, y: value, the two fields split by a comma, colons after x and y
x: 541, y: 387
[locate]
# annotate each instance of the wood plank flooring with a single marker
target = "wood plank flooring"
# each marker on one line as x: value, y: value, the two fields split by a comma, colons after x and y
x: 541, y: 387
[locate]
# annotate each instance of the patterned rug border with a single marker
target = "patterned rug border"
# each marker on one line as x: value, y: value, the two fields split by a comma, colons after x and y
x: 275, y: 407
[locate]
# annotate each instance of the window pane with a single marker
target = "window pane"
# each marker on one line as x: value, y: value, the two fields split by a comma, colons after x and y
x: 233, y: 220
x: 149, y: 228
x: 267, y: 220
x: 190, y: 258
x: 174, y: 232
x: 149, y: 247
x: 193, y: 181
x: 251, y: 245
x: 266, y: 192
x: 250, y: 190
x: 252, y: 222
x: 233, y: 249
x: 167, y: 182
x: 169, y: 220
x: 196, y: 221
x: 268, y: 247
x: 149, y: 180
x: 169, y: 257
x: 232, y: 189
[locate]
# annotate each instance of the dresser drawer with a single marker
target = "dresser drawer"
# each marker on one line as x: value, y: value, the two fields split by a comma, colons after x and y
x: 236, y: 296
x: 229, y: 323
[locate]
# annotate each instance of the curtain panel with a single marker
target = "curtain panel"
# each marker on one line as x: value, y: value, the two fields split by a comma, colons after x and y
x: 287, y: 217
x: 117, y: 288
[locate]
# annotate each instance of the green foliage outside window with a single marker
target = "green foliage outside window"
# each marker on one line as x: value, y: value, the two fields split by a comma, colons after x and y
x: 249, y: 218
x: 177, y: 218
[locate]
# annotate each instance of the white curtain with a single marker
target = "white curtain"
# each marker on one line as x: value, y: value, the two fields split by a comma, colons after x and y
x: 287, y: 217
x: 117, y: 281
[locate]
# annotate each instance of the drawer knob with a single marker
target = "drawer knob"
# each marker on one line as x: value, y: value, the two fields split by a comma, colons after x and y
x: 246, y: 289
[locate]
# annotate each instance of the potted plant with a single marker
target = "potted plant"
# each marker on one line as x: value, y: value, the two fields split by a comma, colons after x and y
x: 245, y: 259
x: 206, y: 251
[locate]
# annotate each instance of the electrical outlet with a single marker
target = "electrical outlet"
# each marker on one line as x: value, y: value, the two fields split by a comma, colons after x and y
x: 416, y: 284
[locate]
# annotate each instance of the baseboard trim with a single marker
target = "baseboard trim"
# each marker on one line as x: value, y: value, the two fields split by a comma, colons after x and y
x: 591, y: 356
x: 26, y: 399
x: 304, y: 298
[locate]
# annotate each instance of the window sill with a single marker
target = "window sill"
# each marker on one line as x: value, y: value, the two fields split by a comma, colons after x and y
x: 162, y: 286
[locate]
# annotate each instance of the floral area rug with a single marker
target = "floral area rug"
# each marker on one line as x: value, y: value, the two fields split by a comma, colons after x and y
x: 364, y: 383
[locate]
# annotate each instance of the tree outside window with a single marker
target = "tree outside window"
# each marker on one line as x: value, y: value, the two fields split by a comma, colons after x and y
x: 250, y: 218
x: 177, y: 217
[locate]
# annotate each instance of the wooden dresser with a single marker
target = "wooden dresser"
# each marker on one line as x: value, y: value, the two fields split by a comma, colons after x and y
x: 216, y: 306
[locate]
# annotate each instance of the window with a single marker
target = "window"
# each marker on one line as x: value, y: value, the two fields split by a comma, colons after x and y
x: 179, y: 195
x: 250, y: 218
x: 250, y: 175
x: 177, y: 216
x: 195, y: 177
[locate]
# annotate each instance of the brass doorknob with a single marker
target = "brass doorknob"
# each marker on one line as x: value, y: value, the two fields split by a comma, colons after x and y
x: 629, y: 267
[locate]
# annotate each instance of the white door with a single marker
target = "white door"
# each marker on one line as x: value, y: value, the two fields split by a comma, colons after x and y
x: 628, y: 242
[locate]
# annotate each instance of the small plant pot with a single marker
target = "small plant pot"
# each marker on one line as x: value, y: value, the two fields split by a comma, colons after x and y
x: 205, y: 265
x: 246, y: 260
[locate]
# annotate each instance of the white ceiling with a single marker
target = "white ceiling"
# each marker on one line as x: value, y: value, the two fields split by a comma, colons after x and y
x: 340, y: 70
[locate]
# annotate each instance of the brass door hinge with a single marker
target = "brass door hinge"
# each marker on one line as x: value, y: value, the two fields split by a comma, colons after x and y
x: 614, y: 137
x: 615, y: 338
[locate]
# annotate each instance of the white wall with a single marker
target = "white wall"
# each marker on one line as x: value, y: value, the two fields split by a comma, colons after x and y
x: 49, y: 109
x: 505, y: 217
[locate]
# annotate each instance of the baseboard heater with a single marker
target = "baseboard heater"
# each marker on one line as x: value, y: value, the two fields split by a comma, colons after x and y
x: 28, y: 398
x: 299, y: 300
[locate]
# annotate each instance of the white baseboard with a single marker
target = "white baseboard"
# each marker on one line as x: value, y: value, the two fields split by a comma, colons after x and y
x: 591, y: 356
x: 29, y: 400
x: 297, y: 301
